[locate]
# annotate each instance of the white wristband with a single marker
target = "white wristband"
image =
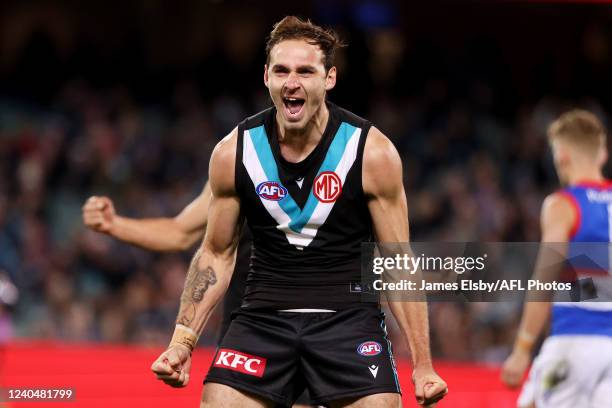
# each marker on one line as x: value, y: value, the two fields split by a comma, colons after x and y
x: 184, y: 335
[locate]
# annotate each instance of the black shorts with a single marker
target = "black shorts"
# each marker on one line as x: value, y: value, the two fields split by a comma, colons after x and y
x: 344, y: 354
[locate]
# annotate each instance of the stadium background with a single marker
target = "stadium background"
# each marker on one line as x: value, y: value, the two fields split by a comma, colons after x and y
x: 128, y: 99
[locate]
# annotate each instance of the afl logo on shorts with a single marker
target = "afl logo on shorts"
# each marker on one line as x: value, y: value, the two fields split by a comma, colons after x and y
x: 369, y: 349
x: 271, y: 190
x: 327, y: 187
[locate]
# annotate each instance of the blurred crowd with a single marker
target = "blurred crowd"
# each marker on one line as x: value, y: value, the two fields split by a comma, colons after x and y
x: 468, y: 122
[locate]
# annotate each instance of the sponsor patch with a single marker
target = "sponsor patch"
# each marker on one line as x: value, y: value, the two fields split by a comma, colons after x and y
x: 327, y: 187
x: 369, y: 348
x: 240, y: 362
x: 271, y: 190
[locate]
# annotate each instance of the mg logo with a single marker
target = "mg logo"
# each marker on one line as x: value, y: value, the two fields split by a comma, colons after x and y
x: 327, y: 187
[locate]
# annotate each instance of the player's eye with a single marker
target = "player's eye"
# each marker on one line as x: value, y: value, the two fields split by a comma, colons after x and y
x: 280, y: 70
x: 305, y: 71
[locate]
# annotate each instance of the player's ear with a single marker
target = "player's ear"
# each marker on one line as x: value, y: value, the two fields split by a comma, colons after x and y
x: 330, y: 80
x: 564, y: 157
x: 266, y: 75
x: 561, y: 153
x: 602, y: 157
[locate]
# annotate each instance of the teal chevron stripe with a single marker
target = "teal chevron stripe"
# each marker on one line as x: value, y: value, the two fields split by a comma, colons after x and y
x: 333, y: 157
x: 266, y: 159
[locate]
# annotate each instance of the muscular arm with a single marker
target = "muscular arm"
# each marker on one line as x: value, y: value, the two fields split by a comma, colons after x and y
x: 210, y: 270
x: 383, y: 185
x: 157, y: 234
x: 212, y: 266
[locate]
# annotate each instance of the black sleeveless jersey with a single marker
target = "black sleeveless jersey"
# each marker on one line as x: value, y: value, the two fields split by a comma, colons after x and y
x: 308, y: 219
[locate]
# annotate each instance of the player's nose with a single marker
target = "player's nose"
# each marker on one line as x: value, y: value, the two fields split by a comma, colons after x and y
x: 293, y: 82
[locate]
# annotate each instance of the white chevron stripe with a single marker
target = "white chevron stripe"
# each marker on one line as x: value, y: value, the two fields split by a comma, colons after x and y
x: 257, y: 175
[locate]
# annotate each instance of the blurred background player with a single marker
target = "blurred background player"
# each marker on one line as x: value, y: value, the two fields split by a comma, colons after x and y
x: 574, y: 366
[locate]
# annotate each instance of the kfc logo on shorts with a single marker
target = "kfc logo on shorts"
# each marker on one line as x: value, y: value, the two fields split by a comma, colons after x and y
x: 271, y: 190
x: 241, y: 362
x: 369, y: 349
x: 327, y: 187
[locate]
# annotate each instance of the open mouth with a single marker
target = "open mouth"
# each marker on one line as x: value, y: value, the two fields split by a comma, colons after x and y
x: 293, y: 106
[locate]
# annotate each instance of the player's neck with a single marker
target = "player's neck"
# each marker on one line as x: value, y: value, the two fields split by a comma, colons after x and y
x: 586, y: 174
x: 299, y: 143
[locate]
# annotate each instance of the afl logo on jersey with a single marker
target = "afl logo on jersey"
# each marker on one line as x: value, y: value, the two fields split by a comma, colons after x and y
x: 369, y: 348
x: 327, y: 187
x: 271, y: 190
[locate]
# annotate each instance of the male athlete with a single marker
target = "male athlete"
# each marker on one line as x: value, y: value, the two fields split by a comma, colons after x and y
x: 574, y: 367
x: 313, y: 181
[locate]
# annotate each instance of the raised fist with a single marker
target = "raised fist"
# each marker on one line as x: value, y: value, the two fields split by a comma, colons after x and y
x: 99, y: 214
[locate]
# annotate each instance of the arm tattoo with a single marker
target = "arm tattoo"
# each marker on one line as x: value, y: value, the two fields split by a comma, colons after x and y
x: 198, y: 280
x: 202, y: 281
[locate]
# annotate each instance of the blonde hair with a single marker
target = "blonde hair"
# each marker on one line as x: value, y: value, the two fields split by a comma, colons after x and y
x: 580, y: 128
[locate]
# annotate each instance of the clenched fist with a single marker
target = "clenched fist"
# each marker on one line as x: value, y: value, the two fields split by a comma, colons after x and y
x: 173, y: 366
x: 99, y: 214
x: 514, y: 368
x: 429, y: 387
